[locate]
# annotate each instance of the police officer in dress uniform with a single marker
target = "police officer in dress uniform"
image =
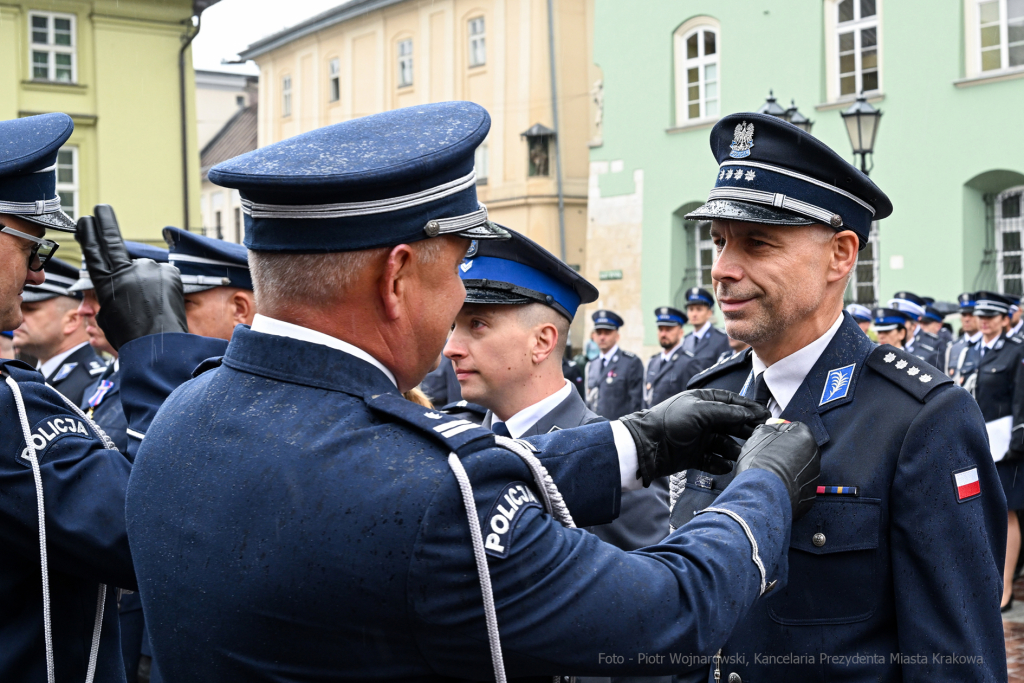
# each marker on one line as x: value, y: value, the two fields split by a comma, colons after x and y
x: 706, y: 342
x: 957, y: 353
x: 891, y: 327
x: 54, y: 333
x: 863, y: 316
x: 326, y: 521
x: 615, y: 379
x: 504, y: 348
x: 932, y: 323
x: 62, y: 526
x: 668, y: 371
x: 997, y: 382
x: 1016, y: 327
x: 921, y: 344
x: 896, y: 569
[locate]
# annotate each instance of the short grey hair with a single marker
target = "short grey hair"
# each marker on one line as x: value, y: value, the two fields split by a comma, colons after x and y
x: 281, y: 279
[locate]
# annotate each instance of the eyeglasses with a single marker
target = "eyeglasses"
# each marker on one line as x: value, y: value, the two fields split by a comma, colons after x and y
x: 42, y: 252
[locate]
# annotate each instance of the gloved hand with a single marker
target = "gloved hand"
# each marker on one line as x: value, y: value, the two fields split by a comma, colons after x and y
x: 137, y: 298
x: 790, y: 451
x: 692, y: 430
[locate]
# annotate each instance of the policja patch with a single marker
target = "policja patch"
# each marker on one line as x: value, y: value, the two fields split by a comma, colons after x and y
x: 500, y: 522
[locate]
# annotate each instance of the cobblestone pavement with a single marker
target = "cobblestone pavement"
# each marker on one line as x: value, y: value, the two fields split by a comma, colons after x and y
x: 1013, y: 630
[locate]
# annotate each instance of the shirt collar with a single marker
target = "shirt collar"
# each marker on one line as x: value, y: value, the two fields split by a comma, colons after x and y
x: 974, y: 338
x: 785, y: 376
x: 47, y: 368
x: 991, y: 344
x: 611, y: 353
x: 703, y: 330
x: 519, y: 423
x: 665, y: 355
x: 1016, y: 328
x: 267, y: 325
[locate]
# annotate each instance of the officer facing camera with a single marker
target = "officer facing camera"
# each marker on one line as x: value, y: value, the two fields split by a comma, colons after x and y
x: 335, y: 529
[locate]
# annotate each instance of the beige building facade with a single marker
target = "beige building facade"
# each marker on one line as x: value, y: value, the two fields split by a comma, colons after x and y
x: 369, y: 56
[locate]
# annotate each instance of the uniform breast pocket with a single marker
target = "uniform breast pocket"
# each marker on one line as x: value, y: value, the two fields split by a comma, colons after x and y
x: 833, y: 565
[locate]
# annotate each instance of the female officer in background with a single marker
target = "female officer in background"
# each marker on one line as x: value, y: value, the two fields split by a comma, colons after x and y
x: 891, y: 326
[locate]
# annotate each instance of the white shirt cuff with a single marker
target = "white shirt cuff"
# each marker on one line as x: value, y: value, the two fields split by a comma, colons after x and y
x: 628, y: 462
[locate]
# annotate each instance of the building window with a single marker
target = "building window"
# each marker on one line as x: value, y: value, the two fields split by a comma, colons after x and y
x: 67, y: 180
x: 857, y: 37
x: 705, y: 250
x: 334, y: 69
x: 239, y: 101
x: 405, y: 63
x: 539, y: 159
x: 1001, y: 23
x: 286, y: 96
x: 864, y: 283
x: 481, y: 161
x: 697, y: 91
x: 477, y: 42
x: 52, y: 47
x: 1009, y: 226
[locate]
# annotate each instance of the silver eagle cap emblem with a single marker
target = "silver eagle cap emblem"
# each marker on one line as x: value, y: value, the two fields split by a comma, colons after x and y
x: 742, y: 140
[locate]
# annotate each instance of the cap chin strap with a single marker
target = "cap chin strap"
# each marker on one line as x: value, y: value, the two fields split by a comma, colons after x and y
x: 36, y: 208
x: 779, y: 201
x: 30, y: 455
x: 553, y: 505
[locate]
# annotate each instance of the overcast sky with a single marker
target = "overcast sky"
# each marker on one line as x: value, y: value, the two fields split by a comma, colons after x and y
x: 232, y: 25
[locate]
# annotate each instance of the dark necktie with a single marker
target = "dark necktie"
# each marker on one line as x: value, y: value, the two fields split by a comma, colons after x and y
x: 500, y: 429
x: 762, y: 394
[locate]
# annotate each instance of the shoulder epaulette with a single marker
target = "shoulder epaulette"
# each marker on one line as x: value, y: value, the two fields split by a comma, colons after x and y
x: 454, y: 434
x: 628, y: 354
x: 908, y: 372
x: 208, y: 364
x: 1017, y: 340
x: 720, y: 368
x: 21, y: 371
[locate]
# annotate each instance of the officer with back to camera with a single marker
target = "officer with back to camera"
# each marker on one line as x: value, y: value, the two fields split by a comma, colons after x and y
x: 863, y: 317
x: 326, y: 526
x: 615, y: 379
x: 706, y: 342
x: 54, y: 333
x: 62, y: 525
x: 896, y: 570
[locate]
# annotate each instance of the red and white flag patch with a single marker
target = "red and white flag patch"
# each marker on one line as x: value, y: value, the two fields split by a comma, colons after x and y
x: 967, y: 484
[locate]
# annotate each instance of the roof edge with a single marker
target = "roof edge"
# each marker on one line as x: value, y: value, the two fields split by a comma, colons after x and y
x: 343, y: 12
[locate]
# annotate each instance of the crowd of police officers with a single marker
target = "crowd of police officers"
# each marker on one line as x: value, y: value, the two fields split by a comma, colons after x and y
x: 431, y: 529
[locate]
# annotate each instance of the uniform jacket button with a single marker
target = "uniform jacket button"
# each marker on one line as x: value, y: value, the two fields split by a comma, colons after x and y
x: 735, y: 678
x: 818, y: 539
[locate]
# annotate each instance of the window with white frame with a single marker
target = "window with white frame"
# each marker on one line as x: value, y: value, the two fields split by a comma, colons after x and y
x: 334, y: 69
x: 52, y: 47
x: 1009, y: 225
x: 864, y: 281
x: 481, y: 162
x: 705, y: 250
x: 67, y: 180
x: 697, y: 79
x: 405, y: 62
x: 857, y: 38
x: 1001, y: 26
x: 286, y: 96
x: 477, y: 42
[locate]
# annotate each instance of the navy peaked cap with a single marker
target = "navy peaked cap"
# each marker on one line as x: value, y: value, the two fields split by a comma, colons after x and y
x: 890, y: 318
x: 520, y: 271
x: 376, y: 181
x: 932, y: 314
x: 28, y: 169
x: 909, y: 302
x: 990, y: 304
x: 860, y: 313
x: 775, y: 173
x: 699, y: 295
x: 606, y: 320
x: 205, y: 262
x: 665, y: 316
x: 60, y: 276
x: 966, y: 301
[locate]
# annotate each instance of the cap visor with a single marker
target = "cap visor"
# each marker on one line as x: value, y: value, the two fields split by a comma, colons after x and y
x: 193, y: 289
x: 732, y: 210
x: 30, y: 296
x: 487, y: 231
x: 603, y: 326
x: 83, y: 284
x: 478, y: 295
x: 57, y: 220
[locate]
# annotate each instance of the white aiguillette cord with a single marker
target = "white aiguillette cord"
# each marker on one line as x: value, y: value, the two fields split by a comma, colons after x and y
x: 553, y: 504
x: 30, y: 455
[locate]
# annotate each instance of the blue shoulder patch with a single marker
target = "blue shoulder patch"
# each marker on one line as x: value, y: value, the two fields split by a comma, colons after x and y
x: 64, y: 371
x: 500, y: 523
x: 454, y: 434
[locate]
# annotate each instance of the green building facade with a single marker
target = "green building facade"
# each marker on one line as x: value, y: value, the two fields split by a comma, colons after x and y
x: 948, y: 76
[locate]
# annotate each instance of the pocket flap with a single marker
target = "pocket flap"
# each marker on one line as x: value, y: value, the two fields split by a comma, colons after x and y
x: 836, y: 526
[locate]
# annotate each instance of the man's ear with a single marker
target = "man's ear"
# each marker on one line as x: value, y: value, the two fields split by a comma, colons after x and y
x: 546, y: 335
x: 845, y: 246
x: 243, y: 307
x: 72, y: 321
x: 395, y: 280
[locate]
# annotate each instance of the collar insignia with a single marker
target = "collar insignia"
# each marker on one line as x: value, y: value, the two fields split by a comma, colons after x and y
x: 432, y: 416
x: 466, y: 265
x: 65, y: 370
x: 837, y: 384
x: 742, y: 140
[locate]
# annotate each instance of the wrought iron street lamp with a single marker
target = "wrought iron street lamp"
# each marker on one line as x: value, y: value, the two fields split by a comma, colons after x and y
x: 862, y: 121
x: 771, y: 107
x: 794, y: 116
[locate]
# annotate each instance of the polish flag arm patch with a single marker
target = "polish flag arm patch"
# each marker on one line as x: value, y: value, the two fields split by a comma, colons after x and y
x: 966, y: 484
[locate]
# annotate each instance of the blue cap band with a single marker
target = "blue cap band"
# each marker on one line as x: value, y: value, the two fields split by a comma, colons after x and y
x: 520, y: 275
x: 670, y: 319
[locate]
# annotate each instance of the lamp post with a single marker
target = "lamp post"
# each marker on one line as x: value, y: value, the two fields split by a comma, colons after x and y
x: 771, y: 107
x: 794, y: 116
x: 861, y: 121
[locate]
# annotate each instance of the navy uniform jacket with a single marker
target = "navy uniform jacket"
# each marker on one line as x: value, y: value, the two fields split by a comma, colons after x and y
x: 573, y: 372
x: 76, y: 373
x: 314, y: 511
x: 86, y: 541
x: 999, y: 383
x: 102, y: 402
x: 928, y: 347
x: 903, y: 566
x: 665, y: 379
x: 956, y: 357
x: 706, y: 350
x: 615, y: 389
x: 643, y: 517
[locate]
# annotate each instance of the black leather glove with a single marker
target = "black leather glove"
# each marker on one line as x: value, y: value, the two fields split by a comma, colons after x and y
x: 790, y: 451
x: 692, y: 430
x: 137, y: 298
